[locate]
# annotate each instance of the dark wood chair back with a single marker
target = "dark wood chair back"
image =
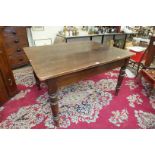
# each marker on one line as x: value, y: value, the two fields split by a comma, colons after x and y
x: 149, y: 56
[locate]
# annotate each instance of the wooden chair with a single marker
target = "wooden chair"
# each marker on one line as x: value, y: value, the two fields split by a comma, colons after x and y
x: 137, y: 60
x: 149, y: 76
x: 148, y: 73
x: 150, y: 52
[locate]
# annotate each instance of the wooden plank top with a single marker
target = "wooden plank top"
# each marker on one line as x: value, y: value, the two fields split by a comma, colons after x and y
x: 93, y: 35
x: 61, y: 59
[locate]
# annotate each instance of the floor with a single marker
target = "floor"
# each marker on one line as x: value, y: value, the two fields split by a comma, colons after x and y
x: 89, y: 104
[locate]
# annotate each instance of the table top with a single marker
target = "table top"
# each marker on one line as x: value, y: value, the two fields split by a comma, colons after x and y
x: 141, y: 39
x: 137, y: 48
x: 89, y: 35
x: 61, y: 59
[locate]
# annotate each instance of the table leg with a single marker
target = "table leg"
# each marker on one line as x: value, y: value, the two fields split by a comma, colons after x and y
x: 52, y: 91
x: 121, y: 76
x: 124, y: 41
x: 37, y: 80
x: 102, y: 39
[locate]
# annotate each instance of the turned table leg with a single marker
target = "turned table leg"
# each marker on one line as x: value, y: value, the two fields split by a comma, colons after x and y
x: 37, y: 80
x: 52, y: 91
x: 121, y: 76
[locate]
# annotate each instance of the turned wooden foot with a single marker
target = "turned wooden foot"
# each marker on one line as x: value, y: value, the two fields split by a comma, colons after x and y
x: 55, y: 108
x: 52, y: 91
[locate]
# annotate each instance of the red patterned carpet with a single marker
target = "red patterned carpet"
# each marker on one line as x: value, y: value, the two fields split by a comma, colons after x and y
x: 87, y: 104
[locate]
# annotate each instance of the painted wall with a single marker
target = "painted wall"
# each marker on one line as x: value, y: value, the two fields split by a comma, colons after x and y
x: 48, y: 35
x: 45, y: 37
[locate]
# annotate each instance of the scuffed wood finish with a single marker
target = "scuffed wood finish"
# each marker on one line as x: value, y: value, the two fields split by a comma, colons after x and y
x: 52, y: 92
x: 8, y: 86
x: 151, y: 52
x: 7, y: 75
x: 80, y: 75
x: 14, y: 39
x: 3, y: 92
x: 63, y: 64
x: 61, y: 59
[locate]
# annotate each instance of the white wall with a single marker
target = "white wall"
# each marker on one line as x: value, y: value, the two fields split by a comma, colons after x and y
x: 47, y: 36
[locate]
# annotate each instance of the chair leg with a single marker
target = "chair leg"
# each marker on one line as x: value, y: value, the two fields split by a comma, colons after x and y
x: 153, y: 91
x: 138, y: 78
x: 37, y: 81
x: 133, y: 64
x: 137, y: 70
x: 150, y: 91
x: 138, y: 67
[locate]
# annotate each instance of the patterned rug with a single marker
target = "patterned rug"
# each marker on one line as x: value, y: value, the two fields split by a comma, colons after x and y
x: 84, y: 105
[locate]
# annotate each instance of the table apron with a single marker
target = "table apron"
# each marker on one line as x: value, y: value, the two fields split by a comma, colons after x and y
x: 81, y: 75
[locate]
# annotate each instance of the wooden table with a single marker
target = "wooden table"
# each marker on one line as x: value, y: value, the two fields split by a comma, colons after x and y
x: 102, y: 35
x: 63, y: 64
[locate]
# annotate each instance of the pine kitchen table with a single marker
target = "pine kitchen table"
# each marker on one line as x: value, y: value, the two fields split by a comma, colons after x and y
x: 62, y: 64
